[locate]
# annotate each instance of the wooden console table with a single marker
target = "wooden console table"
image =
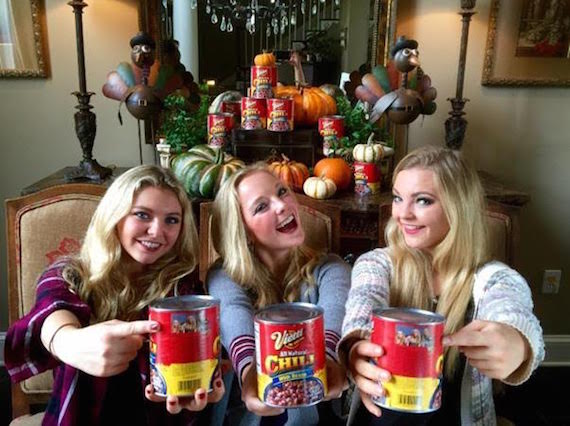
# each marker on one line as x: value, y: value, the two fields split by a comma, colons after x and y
x: 359, y: 214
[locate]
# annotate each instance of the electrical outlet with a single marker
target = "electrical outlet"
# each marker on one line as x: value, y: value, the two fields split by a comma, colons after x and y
x: 551, y: 281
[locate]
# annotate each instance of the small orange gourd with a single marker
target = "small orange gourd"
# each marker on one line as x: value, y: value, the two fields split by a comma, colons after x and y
x: 337, y: 169
x: 292, y: 173
x: 265, y: 59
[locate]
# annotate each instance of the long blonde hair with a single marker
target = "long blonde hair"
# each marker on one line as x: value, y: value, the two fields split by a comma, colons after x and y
x: 97, y: 273
x: 455, y: 259
x: 239, y: 261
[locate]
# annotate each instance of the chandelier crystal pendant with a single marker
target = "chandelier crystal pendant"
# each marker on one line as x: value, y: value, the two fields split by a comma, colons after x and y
x: 277, y: 15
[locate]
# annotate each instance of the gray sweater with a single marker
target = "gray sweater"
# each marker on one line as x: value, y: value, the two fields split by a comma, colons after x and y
x: 332, y: 278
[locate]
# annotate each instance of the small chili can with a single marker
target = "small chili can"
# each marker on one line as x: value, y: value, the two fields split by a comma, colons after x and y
x: 331, y: 129
x: 185, y: 353
x: 280, y: 115
x: 290, y: 355
x: 367, y: 178
x: 253, y: 113
x: 263, y: 79
x: 232, y: 107
x: 413, y: 354
x: 219, y: 128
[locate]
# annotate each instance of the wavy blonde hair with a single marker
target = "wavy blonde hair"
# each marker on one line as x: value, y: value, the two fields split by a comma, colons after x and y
x: 97, y: 273
x: 239, y: 261
x: 457, y: 257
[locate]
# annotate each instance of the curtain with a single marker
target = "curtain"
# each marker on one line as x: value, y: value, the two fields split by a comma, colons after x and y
x: 17, y: 43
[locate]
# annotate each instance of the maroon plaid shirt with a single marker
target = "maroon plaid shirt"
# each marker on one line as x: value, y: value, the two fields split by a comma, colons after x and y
x: 77, y: 397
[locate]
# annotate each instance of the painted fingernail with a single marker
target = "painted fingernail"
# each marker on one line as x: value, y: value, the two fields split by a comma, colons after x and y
x: 218, y: 383
x: 202, y: 395
x: 155, y: 326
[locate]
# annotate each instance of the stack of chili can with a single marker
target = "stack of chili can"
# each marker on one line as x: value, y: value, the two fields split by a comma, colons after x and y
x: 260, y: 110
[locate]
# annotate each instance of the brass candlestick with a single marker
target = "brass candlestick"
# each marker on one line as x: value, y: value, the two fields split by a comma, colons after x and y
x: 85, y: 120
x: 456, y: 125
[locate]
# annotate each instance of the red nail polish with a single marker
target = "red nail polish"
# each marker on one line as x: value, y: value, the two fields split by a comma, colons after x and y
x: 218, y: 383
x: 202, y: 396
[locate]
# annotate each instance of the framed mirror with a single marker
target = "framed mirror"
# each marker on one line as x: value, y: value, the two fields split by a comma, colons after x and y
x: 383, y: 31
x: 23, y: 39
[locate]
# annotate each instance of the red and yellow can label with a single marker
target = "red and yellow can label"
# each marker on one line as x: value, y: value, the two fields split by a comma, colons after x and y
x: 185, y: 353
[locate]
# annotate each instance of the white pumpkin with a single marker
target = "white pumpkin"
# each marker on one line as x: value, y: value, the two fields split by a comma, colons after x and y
x: 368, y: 152
x: 319, y: 187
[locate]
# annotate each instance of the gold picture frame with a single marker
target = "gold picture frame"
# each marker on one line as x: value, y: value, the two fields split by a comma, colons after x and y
x: 502, y: 67
x: 383, y: 32
x: 29, y: 23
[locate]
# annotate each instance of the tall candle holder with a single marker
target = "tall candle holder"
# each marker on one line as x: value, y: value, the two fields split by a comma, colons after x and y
x: 456, y: 125
x: 85, y: 119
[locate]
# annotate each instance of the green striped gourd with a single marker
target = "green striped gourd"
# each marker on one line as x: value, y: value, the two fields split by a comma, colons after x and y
x: 203, y: 169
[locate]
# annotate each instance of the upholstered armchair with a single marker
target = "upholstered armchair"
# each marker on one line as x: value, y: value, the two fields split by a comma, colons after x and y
x: 40, y: 228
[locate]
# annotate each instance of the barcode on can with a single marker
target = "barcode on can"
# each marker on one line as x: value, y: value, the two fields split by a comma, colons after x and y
x: 410, y: 400
x: 189, y: 385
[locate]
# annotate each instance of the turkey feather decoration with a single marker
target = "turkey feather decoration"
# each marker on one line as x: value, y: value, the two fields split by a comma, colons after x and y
x: 144, y: 83
x: 400, y: 90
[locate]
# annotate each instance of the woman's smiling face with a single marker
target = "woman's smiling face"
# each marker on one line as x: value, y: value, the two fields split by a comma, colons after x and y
x: 152, y: 226
x: 417, y: 209
x: 270, y: 213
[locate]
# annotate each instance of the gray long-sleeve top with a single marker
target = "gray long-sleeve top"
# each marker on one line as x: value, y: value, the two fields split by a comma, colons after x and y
x: 332, y: 283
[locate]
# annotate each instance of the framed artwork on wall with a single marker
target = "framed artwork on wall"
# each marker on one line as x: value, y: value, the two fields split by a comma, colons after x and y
x: 528, y: 44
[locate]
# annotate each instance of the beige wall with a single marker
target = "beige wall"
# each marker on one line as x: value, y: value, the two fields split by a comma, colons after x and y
x: 520, y: 135
x: 37, y: 135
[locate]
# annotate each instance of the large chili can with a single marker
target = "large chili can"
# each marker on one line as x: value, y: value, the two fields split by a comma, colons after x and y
x: 219, y: 129
x: 280, y: 115
x: 367, y: 178
x: 331, y: 129
x: 253, y: 113
x: 263, y: 79
x: 413, y: 354
x: 290, y: 355
x: 185, y: 353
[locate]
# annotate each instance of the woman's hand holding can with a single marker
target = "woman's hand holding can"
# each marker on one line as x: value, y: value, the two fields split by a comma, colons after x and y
x: 367, y: 376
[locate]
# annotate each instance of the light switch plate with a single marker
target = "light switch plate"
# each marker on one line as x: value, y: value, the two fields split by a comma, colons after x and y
x: 551, y: 281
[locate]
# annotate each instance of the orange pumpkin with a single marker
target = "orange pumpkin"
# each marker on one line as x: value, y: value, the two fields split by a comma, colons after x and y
x: 336, y: 169
x: 310, y: 103
x: 291, y: 173
x: 265, y: 59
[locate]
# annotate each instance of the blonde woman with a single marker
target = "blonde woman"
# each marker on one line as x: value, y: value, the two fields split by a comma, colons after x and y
x: 258, y: 234
x: 88, y: 321
x: 438, y: 259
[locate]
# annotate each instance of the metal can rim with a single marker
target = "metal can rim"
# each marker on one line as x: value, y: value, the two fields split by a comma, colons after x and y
x: 177, y: 302
x: 314, y: 310
x: 436, y: 318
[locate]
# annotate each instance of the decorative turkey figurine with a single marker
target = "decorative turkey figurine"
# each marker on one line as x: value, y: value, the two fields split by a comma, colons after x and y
x: 144, y: 83
x: 400, y: 101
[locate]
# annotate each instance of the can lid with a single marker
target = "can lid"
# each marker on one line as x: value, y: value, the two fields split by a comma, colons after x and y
x: 284, y: 313
x: 415, y: 316
x: 189, y: 302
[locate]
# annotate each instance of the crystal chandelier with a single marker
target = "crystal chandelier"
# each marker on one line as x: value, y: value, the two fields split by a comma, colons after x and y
x: 276, y: 14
